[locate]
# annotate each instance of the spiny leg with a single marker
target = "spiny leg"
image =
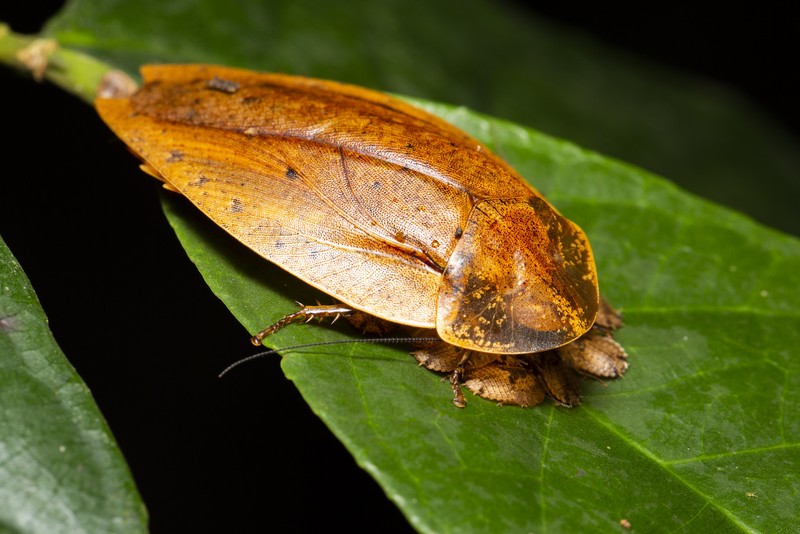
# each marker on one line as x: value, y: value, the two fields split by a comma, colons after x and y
x: 596, y: 353
x: 304, y: 314
x: 457, y: 379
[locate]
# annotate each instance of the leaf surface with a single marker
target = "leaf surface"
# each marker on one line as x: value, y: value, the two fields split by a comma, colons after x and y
x: 60, y: 469
x: 693, y: 438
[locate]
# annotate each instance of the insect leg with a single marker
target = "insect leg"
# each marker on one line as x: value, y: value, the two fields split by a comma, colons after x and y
x: 608, y: 319
x: 304, y: 314
x: 457, y: 378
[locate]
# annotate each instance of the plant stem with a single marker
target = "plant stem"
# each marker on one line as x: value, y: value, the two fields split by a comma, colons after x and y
x: 78, y: 73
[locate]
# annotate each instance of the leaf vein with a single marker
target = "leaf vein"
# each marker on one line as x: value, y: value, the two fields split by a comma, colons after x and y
x: 667, y: 467
x: 728, y: 454
x: 542, y: 489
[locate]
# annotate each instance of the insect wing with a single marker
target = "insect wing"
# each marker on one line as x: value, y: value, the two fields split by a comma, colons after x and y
x: 522, y: 279
x: 283, y: 198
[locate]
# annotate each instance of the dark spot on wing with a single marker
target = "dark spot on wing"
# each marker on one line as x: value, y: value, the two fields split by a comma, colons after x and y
x: 223, y: 86
x: 236, y: 206
x: 174, y: 156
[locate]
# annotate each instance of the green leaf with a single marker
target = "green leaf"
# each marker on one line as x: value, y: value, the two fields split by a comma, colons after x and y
x: 701, y: 434
x: 60, y: 470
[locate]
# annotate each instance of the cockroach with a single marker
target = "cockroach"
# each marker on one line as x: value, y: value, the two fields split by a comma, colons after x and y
x: 393, y: 212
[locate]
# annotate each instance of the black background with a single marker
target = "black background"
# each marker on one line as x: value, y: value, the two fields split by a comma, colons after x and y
x: 213, y: 454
